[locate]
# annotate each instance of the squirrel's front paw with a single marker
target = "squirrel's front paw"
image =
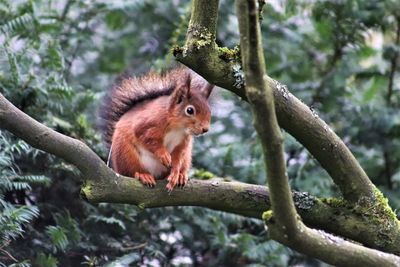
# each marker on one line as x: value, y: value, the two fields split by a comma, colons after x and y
x: 183, y: 178
x: 164, y: 157
x: 173, y: 179
x: 146, y: 178
x: 176, y: 178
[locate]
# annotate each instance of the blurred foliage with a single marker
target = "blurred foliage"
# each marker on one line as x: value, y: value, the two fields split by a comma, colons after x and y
x: 58, y: 57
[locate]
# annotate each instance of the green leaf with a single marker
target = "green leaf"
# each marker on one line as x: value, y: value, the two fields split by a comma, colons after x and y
x: 125, y: 260
x: 34, y: 179
x: 23, y: 22
x: 108, y: 220
x: 58, y: 237
x: 116, y: 19
x: 59, y: 122
x: 44, y: 260
x: 373, y: 86
x: 366, y: 51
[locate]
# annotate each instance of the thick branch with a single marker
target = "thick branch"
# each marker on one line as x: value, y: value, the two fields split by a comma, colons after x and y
x: 197, y: 18
x: 222, y: 67
x: 335, y: 250
x: 261, y: 100
x: 334, y: 216
x: 46, y: 139
x: 285, y: 226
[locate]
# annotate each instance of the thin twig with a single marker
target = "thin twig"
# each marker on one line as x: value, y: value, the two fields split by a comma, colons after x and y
x: 8, y: 254
x: 393, y: 67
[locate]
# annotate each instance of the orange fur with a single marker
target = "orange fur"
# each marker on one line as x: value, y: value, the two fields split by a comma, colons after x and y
x: 153, y: 140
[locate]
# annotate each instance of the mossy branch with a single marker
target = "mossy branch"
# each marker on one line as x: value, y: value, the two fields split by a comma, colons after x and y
x: 222, y: 67
x: 261, y: 99
x: 283, y: 222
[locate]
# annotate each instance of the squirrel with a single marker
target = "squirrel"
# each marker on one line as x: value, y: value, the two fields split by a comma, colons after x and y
x: 149, y: 123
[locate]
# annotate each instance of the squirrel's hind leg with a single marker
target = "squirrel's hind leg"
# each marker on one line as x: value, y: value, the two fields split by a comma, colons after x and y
x: 125, y: 160
x: 138, y: 171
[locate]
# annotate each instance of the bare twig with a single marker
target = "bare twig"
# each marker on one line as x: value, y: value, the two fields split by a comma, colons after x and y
x: 393, y: 66
x: 8, y: 254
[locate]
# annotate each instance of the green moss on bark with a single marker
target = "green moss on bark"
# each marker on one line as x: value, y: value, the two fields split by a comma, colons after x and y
x: 201, y: 37
x: 86, y: 190
x: 228, y: 54
x: 376, y: 212
x: 335, y: 202
x: 383, y: 208
x: 267, y: 216
x: 203, y: 174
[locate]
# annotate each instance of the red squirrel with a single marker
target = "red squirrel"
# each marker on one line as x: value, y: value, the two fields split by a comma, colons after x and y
x: 149, y: 121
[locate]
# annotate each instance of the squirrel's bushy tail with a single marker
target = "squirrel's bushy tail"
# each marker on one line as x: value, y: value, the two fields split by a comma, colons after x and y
x: 130, y: 91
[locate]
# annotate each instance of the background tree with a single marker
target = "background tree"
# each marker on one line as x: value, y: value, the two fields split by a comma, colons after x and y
x: 58, y: 58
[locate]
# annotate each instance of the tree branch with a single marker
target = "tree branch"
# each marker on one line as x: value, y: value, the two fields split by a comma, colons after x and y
x: 103, y: 185
x: 285, y: 226
x: 222, y: 67
x: 261, y: 99
x: 46, y: 139
x: 393, y: 65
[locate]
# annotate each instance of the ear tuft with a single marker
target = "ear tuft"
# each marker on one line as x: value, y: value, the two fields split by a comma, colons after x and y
x: 188, y: 84
x: 180, y: 97
x: 206, y: 91
x: 182, y: 90
x: 177, y: 96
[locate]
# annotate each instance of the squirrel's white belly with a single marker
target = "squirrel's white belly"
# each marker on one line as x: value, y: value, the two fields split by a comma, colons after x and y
x: 174, y: 138
x: 150, y: 162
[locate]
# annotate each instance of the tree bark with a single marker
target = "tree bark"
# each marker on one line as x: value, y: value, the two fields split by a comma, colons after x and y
x: 222, y: 67
x: 101, y: 184
x: 283, y: 222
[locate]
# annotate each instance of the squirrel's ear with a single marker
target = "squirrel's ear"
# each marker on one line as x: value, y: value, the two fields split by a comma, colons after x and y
x: 206, y: 91
x: 177, y: 96
x: 188, y: 80
x: 181, y: 91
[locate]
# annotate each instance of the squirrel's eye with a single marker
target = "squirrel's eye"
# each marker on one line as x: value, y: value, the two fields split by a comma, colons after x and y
x: 190, y: 110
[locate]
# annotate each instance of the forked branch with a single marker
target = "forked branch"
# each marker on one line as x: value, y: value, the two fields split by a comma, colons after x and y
x: 101, y: 184
x: 222, y: 67
x: 283, y: 222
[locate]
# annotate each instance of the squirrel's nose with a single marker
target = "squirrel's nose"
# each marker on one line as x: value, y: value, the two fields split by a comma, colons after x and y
x: 205, y: 130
